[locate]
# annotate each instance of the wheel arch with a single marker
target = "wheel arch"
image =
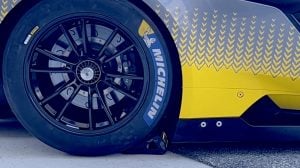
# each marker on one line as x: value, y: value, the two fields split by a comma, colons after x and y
x: 169, y: 121
x: 10, y: 21
x: 6, y: 26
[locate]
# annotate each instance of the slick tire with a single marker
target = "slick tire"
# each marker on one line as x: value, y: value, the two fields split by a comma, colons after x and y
x: 90, y: 77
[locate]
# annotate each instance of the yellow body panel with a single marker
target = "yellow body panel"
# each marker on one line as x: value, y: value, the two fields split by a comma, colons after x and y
x: 217, y: 94
x: 287, y: 101
x: 233, y: 53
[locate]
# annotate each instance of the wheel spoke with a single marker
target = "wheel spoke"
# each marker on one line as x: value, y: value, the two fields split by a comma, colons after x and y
x: 51, y: 70
x: 53, y: 56
x: 84, y: 36
x: 90, y: 94
x: 118, y: 54
x: 58, y: 91
x: 126, y: 76
x: 61, y: 113
x: 108, y: 41
x: 120, y: 89
x: 105, y: 106
x: 70, y: 39
x: 90, y: 108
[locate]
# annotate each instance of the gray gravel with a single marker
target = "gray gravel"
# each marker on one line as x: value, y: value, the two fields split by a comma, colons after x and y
x: 243, y: 155
x: 18, y: 149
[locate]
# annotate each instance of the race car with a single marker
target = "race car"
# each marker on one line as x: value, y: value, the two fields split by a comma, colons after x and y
x: 95, y: 77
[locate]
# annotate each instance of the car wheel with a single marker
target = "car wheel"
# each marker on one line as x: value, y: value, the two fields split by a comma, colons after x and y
x: 86, y: 77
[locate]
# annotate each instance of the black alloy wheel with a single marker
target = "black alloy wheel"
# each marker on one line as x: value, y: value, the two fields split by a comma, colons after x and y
x: 91, y: 77
x: 83, y: 83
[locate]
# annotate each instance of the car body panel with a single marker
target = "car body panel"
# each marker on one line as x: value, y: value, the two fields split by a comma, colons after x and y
x: 6, y: 6
x: 232, y: 52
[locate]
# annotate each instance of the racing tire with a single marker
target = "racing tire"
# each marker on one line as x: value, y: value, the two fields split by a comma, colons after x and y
x: 89, y: 78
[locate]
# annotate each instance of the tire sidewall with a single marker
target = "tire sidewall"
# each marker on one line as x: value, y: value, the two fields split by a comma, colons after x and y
x: 23, y: 107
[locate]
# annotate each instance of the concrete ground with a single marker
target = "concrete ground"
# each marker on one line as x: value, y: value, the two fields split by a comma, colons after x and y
x: 243, y: 155
x: 18, y: 149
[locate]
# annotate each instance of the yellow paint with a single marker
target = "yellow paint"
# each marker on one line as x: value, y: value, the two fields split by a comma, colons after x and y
x: 215, y: 94
x: 145, y: 29
x: 230, y: 61
x: 6, y: 6
x: 287, y: 101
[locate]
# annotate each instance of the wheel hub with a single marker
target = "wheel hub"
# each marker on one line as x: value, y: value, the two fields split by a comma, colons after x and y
x: 88, y: 72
